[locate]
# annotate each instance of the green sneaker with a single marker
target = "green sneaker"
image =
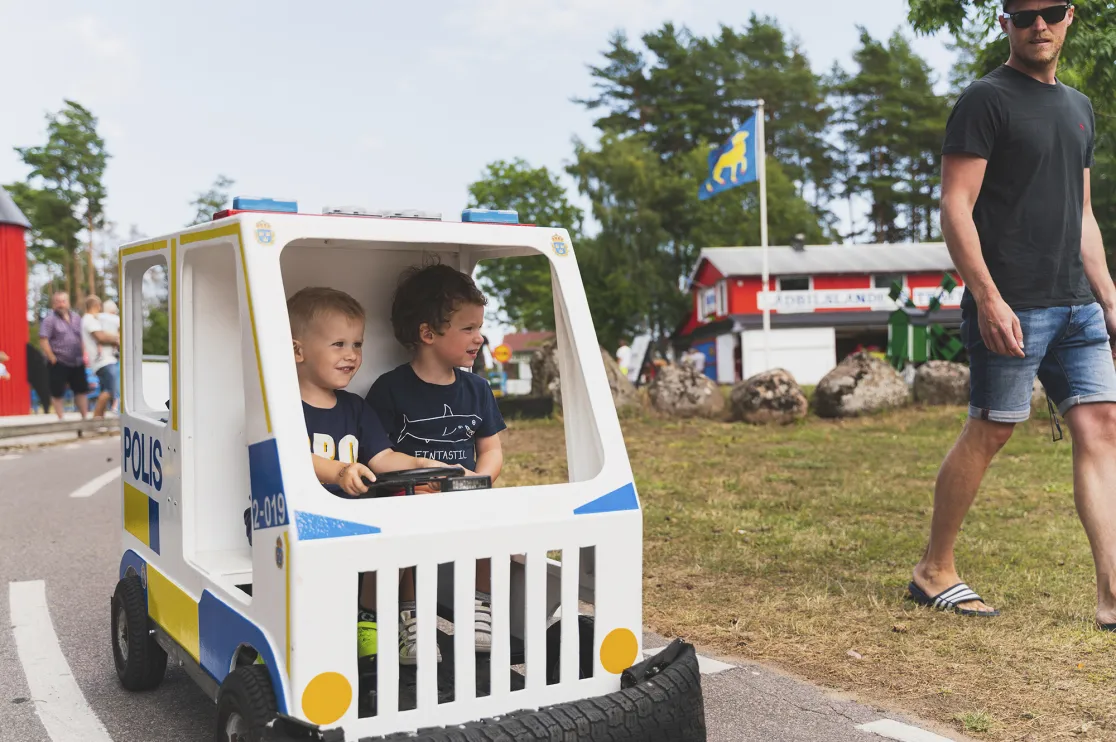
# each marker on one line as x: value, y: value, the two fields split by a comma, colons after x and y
x: 366, y: 634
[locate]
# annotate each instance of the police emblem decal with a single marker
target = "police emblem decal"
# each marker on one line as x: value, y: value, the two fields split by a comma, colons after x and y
x: 264, y: 234
x: 279, y: 552
x: 558, y: 242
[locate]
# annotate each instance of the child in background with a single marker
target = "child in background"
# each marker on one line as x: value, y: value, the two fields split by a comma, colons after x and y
x: 347, y: 441
x: 431, y: 407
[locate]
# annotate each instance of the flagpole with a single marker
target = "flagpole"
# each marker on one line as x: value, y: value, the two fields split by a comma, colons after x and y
x: 761, y: 155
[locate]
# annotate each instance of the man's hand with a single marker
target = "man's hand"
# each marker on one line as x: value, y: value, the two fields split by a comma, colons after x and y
x: 999, y: 328
x: 350, y: 479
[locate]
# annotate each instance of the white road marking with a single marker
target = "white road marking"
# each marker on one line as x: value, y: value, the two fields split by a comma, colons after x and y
x: 93, y: 487
x: 58, y: 700
x: 892, y: 729
x: 71, y: 446
x: 706, y: 666
x: 10, y: 456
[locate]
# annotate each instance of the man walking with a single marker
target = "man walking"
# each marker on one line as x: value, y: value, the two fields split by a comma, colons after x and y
x: 101, y: 341
x: 1019, y: 224
x: 60, y: 340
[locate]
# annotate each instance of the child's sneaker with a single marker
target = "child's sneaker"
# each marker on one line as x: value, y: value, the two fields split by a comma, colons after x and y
x: 367, y: 634
x: 408, y: 637
x: 482, y: 608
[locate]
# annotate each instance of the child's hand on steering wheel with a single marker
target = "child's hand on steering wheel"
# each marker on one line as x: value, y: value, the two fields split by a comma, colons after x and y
x: 350, y: 479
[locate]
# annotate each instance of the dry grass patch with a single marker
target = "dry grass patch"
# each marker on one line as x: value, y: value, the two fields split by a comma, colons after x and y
x: 795, y: 545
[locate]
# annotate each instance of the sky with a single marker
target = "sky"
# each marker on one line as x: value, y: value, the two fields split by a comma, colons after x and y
x: 337, y: 103
x: 382, y: 105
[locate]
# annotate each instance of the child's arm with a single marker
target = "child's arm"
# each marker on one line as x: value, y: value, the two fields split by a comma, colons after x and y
x: 490, y: 456
x: 346, y: 476
x: 389, y: 460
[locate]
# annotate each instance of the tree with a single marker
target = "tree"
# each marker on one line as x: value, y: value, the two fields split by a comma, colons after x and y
x: 208, y: 203
x: 71, y: 167
x: 523, y: 284
x: 893, y: 124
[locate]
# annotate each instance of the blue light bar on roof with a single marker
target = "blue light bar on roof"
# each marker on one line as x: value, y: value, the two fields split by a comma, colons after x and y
x: 494, y: 216
x: 246, y: 203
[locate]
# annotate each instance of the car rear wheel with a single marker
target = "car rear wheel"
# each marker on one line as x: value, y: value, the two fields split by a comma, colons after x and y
x: 140, y: 662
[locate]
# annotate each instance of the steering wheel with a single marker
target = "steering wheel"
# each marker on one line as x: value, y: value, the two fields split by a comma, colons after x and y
x: 451, y: 478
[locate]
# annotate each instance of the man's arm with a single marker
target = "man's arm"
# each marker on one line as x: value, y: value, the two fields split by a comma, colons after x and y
x: 44, y: 345
x: 1092, y: 254
x: 106, y: 338
x: 490, y: 456
x: 962, y: 176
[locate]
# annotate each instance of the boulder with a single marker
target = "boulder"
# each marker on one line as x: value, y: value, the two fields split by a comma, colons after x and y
x: 942, y: 383
x: 860, y: 384
x: 683, y: 391
x: 769, y: 397
x: 546, y: 382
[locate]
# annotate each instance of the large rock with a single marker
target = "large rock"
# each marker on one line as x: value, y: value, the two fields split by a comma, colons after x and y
x: 546, y: 381
x: 770, y: 397
x: 860, y: 384
x: 683, y: 391
x: 942, y: 383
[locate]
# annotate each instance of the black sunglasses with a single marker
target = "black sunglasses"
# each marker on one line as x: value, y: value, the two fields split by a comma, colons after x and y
x: 1026, y: 18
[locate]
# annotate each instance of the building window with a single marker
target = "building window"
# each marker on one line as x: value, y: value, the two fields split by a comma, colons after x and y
x: 799, y: 283
x: 884, y: 280
x: 722, y: 299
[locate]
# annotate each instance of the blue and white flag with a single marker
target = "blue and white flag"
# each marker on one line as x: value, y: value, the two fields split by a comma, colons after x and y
x: 733, y: 163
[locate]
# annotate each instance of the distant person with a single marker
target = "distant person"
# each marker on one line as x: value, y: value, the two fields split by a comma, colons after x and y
x: 695, y: 359
x: 624, y: 356
x: 479, y: 364
x: 61, y: 343
x: 1018, y: 221
x: 110, y: 320
x: 4, y: 375
x: 101, y: 344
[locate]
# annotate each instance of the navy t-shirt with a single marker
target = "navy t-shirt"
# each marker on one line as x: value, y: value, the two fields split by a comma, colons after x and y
x: 349, y: 431
x: 436, y: 421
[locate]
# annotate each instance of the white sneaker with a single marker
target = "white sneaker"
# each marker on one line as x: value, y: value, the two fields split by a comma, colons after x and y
x: 482, y: 608
x: 408, y: 639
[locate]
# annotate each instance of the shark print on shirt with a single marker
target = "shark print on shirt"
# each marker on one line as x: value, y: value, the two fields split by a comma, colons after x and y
x: 436, y: 421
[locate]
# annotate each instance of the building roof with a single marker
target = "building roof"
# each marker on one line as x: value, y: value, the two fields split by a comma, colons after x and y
x: 911, y: 257
x: 10, y: 213
x: 520, y: 342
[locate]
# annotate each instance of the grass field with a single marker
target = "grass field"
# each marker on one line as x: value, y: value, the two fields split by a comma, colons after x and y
x: 794, y: 546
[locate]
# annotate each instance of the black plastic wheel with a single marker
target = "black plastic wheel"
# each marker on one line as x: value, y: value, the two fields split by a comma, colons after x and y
x: 140, y: 662
x: 245, y: 705
x: 584, y: 649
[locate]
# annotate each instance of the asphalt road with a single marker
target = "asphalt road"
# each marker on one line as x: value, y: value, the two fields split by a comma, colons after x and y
x: 72, y: 545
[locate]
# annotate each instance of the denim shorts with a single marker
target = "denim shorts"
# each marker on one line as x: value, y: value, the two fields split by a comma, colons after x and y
x: 109, y: 379
x: 1066, y: 347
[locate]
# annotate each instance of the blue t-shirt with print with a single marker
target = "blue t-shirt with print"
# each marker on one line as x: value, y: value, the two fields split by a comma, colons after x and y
x: 436, y: 421
x: 349, y: 431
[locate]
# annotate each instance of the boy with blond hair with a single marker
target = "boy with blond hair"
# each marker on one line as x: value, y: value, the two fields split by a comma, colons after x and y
x: 347, y: 441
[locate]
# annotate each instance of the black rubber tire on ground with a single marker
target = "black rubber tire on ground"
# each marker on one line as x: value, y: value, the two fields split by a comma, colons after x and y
x: 247, y: 695
x: 140, y: 662
x: 584, y: 649
x: 663, y: 703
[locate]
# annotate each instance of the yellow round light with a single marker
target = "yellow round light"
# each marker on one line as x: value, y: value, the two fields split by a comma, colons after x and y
x: 327, y: 697
x: 619, y: 650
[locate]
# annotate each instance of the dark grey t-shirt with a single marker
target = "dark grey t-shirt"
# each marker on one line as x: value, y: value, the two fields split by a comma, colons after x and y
x: 1038, y: 140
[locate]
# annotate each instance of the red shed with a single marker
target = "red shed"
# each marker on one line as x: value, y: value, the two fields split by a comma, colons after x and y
x: 15, y: 393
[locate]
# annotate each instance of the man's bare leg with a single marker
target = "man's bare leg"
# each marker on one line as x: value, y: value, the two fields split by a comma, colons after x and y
x: 82, y: 402
x: 1093, y: 429
x: 102, y: 404
x: 56, y: 403
x: 958, y: 481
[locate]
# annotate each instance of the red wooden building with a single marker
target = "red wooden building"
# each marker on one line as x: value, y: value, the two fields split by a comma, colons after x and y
x: 15, y: 393
x: 825, y: 302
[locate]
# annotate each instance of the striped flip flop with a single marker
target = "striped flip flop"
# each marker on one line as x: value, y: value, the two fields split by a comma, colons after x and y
x: 948, y: 600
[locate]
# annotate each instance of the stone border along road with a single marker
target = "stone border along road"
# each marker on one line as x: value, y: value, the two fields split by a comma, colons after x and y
x: 59, y: 545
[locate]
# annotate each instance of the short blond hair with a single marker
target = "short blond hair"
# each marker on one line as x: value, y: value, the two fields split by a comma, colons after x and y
x: 314, y: 301
x: 92, y: 302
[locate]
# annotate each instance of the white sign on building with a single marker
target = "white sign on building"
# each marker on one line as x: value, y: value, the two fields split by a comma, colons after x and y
x: 790, y: 302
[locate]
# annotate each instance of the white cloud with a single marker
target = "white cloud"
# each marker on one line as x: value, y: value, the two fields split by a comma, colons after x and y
x: 99, y: 40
